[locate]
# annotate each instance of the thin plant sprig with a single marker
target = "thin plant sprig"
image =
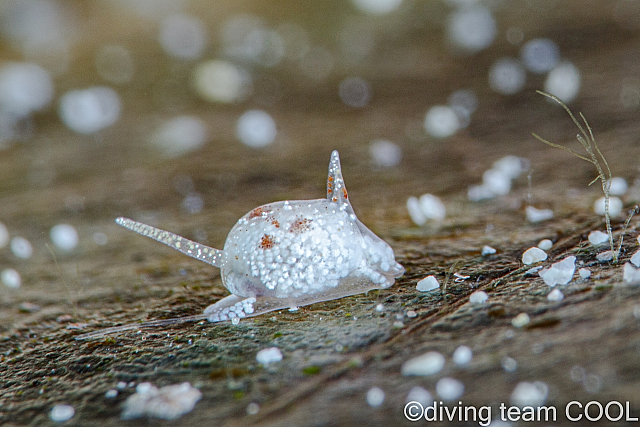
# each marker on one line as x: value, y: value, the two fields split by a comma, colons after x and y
x: 595, y: 156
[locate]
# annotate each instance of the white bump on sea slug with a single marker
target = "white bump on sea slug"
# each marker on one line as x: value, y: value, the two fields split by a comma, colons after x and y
x: 269, y: 355
x: 545, y: 244
x: 427, y: 364
x: 427, y: 284
x: 488, y: 250
x: 538, y: 215
x: 597, y: 237
x: 478, y: 297
x: 520, y: 320
x: 533, y: 255
x: 449, y: 389
x: 615, y: 206
x: 584, y: 273
x: 635, y: 259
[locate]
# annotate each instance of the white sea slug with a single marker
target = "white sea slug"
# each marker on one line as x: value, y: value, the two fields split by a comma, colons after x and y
x: 286, y: 254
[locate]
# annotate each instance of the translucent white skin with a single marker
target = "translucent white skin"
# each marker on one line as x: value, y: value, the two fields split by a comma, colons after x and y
x: 287, y: 254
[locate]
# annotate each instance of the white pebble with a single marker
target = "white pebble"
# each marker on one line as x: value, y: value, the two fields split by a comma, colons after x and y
x: 533, y: 255
x: 256, y: 129
x: 427, y: 364
x: 24, y: 88
x: 375, y: 397
x: 10, y: 278
x: 4, y: 236
x: 538, y: 215
x: 532, y: 271
x: 168, y: 402
x: 540, y: 55
x: 441, y: 121
x: 545, y: 244
x: 464, y: 102
x: 555, y: 295
x: 477, y: 193
x: 497, y: 182
x: 563, y: 81
x: 415, y: 211
x: 605, y: 256
x: 182, y: 36
x: 432, y: 207
x: 509, y: 364
x: 478, y: 297
x: 462, y: 355
x: 427, y: 284
x: 179, y: 136
x: 253, y: 408
x: 618, y: 186
x: 420, y: 395
x: 597, y: 237
x: 488, y: 250
x: 472, y: 29
x: 511, y: 166
x: 631, y: 275
x: 635, y: 259
x: 584, y: 273
x: 269, y: 355
x: 61, y: 413
x: 64, y: 236
x: 89, y: 110
x: 355, y: 92
x: 615, y: 206
x: 529, y: 394
x: 520, y: 320
x: 377, y: 7
x: 21, y: 247
x: 221, y: 81
x: 507, y: 76
x: 115, y: 64
x: 110, y: 394
x: 449, y: 389
x: 559, y: 273
x: 385, y: 153
x: 247, y: 39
